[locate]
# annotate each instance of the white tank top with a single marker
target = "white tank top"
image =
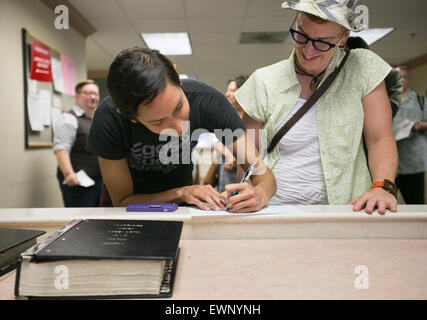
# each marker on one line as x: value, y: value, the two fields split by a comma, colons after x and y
x: 298, y: 172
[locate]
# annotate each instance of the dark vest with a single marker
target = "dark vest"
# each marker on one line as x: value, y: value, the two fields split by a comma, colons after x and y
x: 80, y: 157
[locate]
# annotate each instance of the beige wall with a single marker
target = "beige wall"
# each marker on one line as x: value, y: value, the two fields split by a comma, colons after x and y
x: 418, y: 79
x: 27, y: 177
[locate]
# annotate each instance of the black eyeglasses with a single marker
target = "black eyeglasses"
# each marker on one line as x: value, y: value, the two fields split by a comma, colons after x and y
x: 318, y: 44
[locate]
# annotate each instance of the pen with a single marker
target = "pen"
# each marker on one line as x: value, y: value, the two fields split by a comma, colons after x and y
x: 245, y: 177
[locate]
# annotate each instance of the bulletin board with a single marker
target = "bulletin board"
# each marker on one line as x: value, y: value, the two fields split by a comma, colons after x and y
x: 40, y: 136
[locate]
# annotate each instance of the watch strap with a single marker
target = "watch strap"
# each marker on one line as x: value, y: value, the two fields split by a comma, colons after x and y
x: 387, y: 185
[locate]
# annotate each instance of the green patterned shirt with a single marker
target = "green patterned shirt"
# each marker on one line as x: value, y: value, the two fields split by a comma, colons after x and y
x: 271, y: 92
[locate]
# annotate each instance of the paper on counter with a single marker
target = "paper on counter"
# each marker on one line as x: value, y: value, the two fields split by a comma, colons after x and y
x: 404, y: 129
x: 84, y: 179
x: 58, y: 83
x: 267, y: 210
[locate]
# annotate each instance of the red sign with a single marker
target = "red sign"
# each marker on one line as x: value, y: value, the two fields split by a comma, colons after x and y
x: 40, y: 62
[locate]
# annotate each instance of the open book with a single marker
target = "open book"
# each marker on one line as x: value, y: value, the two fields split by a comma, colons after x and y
x: 102, y: 259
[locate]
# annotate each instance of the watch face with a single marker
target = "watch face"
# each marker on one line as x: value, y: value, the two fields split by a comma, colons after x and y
x: 390, y: 187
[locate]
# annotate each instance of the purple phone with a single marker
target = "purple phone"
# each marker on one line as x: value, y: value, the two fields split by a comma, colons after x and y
x: 152, y: 207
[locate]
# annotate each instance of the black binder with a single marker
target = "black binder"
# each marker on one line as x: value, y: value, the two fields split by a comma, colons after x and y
x: 89, y: 240
x: 12, y: 243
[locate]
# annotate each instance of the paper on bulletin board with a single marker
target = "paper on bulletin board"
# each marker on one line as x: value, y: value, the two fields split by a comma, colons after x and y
x: 69, y: 74
x: 34, y: 112
x: 45, y: 106
x: 32, y: 86
x: 58, y: 83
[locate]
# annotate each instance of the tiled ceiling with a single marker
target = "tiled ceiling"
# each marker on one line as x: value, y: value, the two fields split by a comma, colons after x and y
x: 215, y: 27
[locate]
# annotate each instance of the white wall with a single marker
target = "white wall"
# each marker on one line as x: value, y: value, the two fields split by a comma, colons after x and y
x: 28, y: 177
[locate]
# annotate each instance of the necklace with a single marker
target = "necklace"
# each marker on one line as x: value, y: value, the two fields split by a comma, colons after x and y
x: 316, y: 80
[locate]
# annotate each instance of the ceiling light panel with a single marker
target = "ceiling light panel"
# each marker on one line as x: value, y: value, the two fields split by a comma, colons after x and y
x: 170, y: 44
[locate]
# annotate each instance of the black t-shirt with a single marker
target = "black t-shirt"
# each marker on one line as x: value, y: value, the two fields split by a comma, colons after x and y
x: 113, y: 136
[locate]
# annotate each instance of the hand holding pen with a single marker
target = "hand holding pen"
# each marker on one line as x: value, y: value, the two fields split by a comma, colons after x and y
x: 246, y: 189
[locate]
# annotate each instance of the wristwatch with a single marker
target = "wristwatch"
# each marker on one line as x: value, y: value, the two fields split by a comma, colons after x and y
x: 387, y: 185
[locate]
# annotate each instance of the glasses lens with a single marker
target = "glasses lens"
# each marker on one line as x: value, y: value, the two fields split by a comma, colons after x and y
x: 321, y: 46
x: 298, y: 37
x: 90, y: 93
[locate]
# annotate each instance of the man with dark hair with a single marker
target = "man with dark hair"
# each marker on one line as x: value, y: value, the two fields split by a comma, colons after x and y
x: 232, y: 87
x: 150, y: 117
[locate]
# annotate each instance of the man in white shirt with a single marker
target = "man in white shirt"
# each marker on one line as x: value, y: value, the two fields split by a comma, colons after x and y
x: 70, y: 138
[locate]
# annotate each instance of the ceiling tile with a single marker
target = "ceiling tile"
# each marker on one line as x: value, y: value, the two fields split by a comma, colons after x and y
x: 267, y: 24
x: 159, y: 25
x: 92, y: 9
x: 97, y: 57
x: 115, y: 43
x: 387, y: 6
x: 270, y: 8
x: 214, y: 25
x: 215, y: 39
x: 216, y: 8
x: 152, y: 9
x: 112, y: 25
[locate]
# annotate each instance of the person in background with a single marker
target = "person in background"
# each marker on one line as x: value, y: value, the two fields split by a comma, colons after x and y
x: 233, y: 85
x: 321, y: 159
x: 226, y: 171
x: 71, y: 133
x: 413, y: 149
x: 393, y: 81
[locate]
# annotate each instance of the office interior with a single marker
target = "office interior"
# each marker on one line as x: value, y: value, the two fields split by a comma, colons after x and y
x: 100, y: 29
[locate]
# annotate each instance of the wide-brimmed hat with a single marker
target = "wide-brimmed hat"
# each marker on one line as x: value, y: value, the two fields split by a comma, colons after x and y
x: 338, y: 11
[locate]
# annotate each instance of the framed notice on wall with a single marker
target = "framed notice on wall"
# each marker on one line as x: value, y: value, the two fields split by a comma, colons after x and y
x: 47, y: 89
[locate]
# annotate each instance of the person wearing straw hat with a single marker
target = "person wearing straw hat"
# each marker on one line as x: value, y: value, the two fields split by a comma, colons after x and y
x: 320, y: 159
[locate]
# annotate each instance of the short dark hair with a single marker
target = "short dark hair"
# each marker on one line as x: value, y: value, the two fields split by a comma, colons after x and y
x: 79, y: 86
x: 240, y: 80
x: 357, y: 43
x: 138, y: 75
